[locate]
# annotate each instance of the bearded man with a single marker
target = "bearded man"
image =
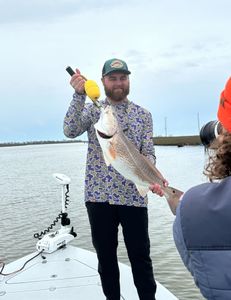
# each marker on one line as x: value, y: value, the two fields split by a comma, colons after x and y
x: 110, y: 199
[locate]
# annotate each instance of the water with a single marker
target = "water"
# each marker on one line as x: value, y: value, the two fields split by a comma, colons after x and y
x: 30, y: 199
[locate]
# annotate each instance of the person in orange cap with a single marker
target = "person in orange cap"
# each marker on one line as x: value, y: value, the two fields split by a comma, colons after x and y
x: 202, y: 227
x: 224, y: 109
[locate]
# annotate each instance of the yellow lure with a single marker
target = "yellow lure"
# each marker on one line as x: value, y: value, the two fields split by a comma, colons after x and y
x: 92, y: 90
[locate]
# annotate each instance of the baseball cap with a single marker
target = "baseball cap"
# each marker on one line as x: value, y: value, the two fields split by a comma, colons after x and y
x: 115, y: 65
x: 224, y: 108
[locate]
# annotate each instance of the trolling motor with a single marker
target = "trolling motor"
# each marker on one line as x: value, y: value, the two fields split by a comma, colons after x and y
x: 58, y: 239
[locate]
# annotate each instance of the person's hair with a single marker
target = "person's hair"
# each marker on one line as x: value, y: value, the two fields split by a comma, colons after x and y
x: 219, y: 163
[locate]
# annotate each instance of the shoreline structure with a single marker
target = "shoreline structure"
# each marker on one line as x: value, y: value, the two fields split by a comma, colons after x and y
x: 180, y: 141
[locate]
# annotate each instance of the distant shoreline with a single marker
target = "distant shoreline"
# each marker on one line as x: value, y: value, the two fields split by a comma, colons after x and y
x: 161, y: 141
x: 12, y: 144
x: 189, y: 140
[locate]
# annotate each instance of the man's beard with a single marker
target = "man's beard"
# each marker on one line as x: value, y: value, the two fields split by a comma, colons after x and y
x: 115, y: 94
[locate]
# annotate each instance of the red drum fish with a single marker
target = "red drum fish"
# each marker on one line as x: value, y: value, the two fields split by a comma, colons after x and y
x: 123, y: 155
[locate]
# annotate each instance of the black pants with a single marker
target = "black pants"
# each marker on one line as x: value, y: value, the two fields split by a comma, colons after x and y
x: 104, y: 220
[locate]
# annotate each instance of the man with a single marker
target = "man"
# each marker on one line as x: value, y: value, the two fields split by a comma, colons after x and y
x: 202, y: 225
x: 110, y: 198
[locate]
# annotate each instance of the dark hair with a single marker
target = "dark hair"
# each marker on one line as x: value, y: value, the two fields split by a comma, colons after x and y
x: 219, y: 163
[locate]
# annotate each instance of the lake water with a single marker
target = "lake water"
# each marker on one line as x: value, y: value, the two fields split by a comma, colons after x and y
x: 30, y: 199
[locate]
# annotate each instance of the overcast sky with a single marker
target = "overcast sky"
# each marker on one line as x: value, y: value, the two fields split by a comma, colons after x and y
x: 179, y: 53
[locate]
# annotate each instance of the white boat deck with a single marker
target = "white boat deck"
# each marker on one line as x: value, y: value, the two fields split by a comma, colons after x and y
x: 69, y: 273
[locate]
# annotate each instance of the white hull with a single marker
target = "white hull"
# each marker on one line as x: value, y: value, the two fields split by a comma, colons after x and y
x: 68, y: 273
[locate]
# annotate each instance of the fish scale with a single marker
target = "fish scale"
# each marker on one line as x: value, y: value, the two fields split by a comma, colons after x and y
x: 140, y: 164
x: 124, y: 157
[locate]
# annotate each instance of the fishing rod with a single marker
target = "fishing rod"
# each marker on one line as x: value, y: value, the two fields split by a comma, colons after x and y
x: 90, y: 86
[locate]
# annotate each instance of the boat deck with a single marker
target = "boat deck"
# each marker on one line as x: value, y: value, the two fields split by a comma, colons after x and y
x: 69, y: 273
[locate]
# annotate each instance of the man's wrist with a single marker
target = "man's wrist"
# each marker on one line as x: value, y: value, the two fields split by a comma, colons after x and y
x: 80, y: 94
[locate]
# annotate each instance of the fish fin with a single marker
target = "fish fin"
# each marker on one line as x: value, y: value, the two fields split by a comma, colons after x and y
x: 106, y: 159
x: 142, y: 190
x: 112, y: 152
x: 109, y: 155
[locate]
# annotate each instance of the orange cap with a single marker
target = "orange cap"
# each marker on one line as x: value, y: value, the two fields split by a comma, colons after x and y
x: 224, y: 109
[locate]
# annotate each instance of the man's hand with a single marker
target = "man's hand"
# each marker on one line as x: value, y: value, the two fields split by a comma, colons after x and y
x: 77, y: 82
x: 156, y: 188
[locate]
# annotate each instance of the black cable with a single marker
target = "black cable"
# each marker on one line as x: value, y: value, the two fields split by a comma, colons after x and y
x: 38, y: 235
x: 67, y: 200
x: 7, y: 274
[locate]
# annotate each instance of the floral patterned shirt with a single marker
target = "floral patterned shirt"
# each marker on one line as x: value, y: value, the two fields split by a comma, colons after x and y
x: 102, y: 183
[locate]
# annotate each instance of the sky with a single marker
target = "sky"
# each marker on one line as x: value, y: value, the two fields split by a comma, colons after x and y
x: 178, y: 52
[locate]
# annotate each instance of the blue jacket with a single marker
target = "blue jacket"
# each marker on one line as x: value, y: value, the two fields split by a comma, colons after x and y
x: 202, y: 234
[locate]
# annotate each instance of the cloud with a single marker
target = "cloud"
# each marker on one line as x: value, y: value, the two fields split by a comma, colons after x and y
x: 179, y: 53
x: 24, y: 11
